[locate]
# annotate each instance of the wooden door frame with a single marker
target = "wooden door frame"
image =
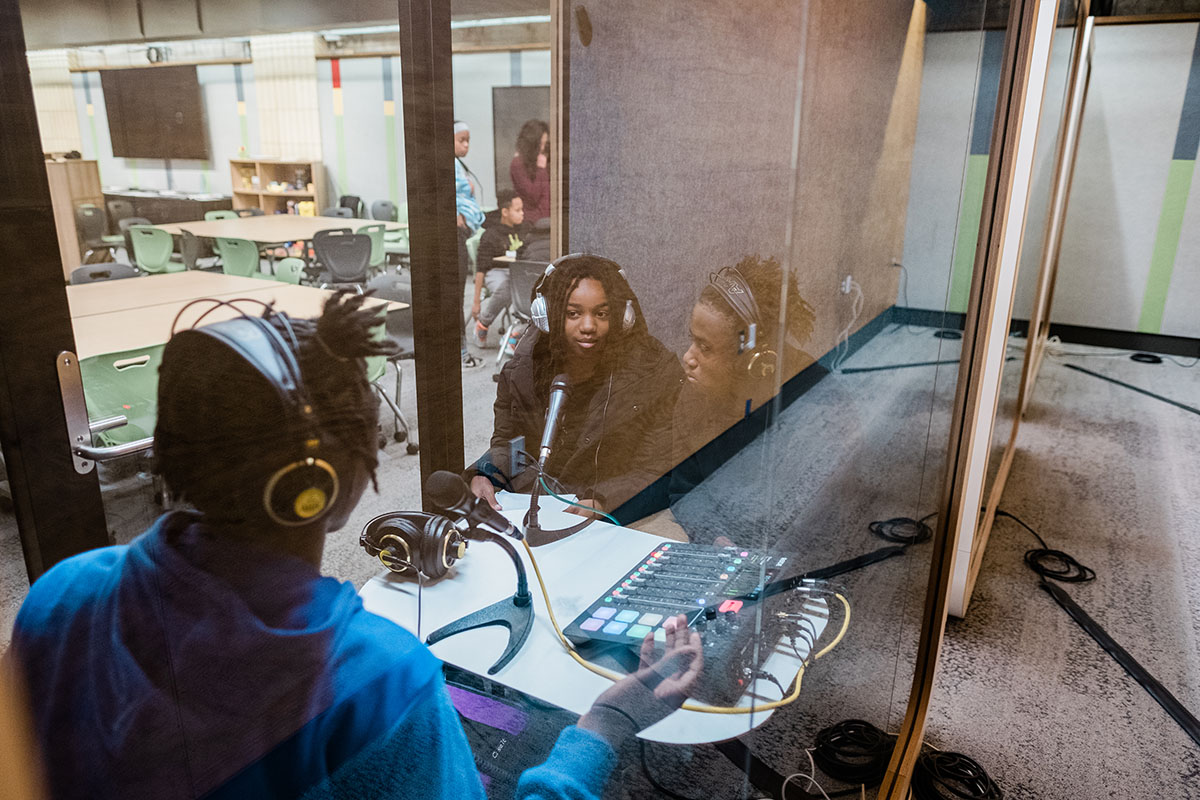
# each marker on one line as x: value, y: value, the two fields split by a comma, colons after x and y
x: 972, y: 405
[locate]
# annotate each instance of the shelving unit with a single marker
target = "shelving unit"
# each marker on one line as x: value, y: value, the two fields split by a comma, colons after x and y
x: 252, y: 178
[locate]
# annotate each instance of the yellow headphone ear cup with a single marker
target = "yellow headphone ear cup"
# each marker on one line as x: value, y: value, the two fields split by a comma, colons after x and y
x: 301, y: 492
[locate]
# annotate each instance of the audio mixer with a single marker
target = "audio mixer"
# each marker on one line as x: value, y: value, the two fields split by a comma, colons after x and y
x: 715, y: 588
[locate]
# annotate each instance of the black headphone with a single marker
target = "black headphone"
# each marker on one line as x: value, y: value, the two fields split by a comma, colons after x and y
x: 540, y: 311
x: 304, y: 488
x: 754, y: 357
x: 414, y: 543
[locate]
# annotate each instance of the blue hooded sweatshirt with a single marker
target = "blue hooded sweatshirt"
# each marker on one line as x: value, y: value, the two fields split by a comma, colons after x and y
x: 182, y: 665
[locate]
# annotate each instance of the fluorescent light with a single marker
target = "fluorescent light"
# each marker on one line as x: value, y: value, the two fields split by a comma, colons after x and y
x: 488, y: 23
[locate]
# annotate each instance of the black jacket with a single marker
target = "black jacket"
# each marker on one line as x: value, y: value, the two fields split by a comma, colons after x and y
x: 612, y: 453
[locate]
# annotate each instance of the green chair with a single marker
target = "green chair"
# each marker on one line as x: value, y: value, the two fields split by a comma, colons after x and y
x: 238, y: 257
x: 124, y: 383
x: 209, y: 216
x: 289, y: 270
x: 376, y: 231
x: 152, y: 249
x: 400, y: 235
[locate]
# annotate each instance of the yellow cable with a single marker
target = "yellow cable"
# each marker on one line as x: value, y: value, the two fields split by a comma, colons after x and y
x: 705, y: 709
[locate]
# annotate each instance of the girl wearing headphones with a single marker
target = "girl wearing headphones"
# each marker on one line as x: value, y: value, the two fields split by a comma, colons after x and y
x: 733, y: 369
x: 613, y: 438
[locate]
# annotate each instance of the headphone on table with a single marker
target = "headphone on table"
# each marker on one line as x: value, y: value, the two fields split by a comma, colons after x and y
x: 415, y: 543
x: 539, y: 308
x: 758, y: 359
x: 305, y: 487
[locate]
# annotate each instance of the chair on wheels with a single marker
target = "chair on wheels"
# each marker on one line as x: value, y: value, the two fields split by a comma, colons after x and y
x: 119, y: 210
x: 354, y: 203
x: 337, y: 211
x: 91, y: 224
x: 224, y: 213
x: 238, y: 257
x: 522, y: 276
x: 102, y: 272
x: 192, y: 249
x: 344, y: 255
x: 399, y: 326
x: 375, y: 231
x: 125, y: 384
x: 383, y: 210
x: 289, y: 270
x: 153, y: 249
x: 124, y: 226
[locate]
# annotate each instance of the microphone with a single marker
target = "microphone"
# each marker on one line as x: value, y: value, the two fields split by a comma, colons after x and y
x: 451, y: 494
x: 560, y: 390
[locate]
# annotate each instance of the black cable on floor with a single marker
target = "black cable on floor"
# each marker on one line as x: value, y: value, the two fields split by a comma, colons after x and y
x: 952, y: 776
x: 1050, y: 563
x: 1137, y: 389
x: 903, y: 530
x: 853, y: 751
x: 1059, y: 566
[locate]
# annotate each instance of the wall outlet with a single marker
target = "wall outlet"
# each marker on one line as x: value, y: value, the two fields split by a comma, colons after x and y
x: 844, y: 286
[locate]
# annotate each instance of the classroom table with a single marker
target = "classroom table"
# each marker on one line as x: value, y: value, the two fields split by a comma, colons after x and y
x: 577, y: 570
x: 137, y: 322
x: 272, y: 228
x: 104, y: 297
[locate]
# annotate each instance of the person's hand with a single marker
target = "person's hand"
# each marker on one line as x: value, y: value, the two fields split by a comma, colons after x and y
x: 654, y: 691
x: 476, y: 307
x: 462, y: 223
x: 541, y: 160
x: 482, y: 488
x: 584, y: 512
x: 723, y: 541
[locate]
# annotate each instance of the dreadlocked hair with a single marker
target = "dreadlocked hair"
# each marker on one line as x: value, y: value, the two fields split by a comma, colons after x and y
x: 763, y: 276
x: 220, y: 432
x: 550, y: 352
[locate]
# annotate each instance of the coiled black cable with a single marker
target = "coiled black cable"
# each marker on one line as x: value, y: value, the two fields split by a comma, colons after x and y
x: 1049, y: 563
x: 853, y: 751
x: 903, y: 530
x: 951, y: 776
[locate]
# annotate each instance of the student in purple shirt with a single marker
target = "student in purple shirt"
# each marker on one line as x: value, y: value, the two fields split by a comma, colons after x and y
x: 210, y: 657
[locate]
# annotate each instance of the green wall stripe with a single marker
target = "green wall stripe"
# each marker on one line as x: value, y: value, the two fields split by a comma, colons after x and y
x: 393, y: 160
x: 968, y: 232
x: 1166, y: 245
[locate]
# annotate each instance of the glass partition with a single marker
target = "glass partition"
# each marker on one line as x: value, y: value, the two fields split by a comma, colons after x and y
x: 757, y: 395
x: 707, y: 281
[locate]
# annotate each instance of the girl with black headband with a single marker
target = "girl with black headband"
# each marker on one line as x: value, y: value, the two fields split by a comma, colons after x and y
x: 614, y: 437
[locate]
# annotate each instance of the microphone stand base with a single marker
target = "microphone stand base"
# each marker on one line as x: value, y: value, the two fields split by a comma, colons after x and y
x: 514, y: 613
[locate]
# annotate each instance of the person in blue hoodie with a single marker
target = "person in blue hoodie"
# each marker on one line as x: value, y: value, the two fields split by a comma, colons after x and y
x: 210, y: 658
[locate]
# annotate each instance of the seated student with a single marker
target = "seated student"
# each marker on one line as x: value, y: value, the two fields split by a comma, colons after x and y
x: 499, y: 236
x: 732, y: 367
x: 614, y: 437
x: 210, y: 657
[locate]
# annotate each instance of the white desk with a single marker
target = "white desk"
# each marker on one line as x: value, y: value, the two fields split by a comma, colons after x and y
x: 576, y: 570
x: 105, y: 297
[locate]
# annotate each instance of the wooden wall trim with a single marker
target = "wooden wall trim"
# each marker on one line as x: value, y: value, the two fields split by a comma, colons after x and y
x: 560, y: 125
x: 428, y: 94
x: 969, y: 402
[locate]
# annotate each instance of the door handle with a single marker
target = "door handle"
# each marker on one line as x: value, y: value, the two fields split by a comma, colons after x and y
x: 80, y: 429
